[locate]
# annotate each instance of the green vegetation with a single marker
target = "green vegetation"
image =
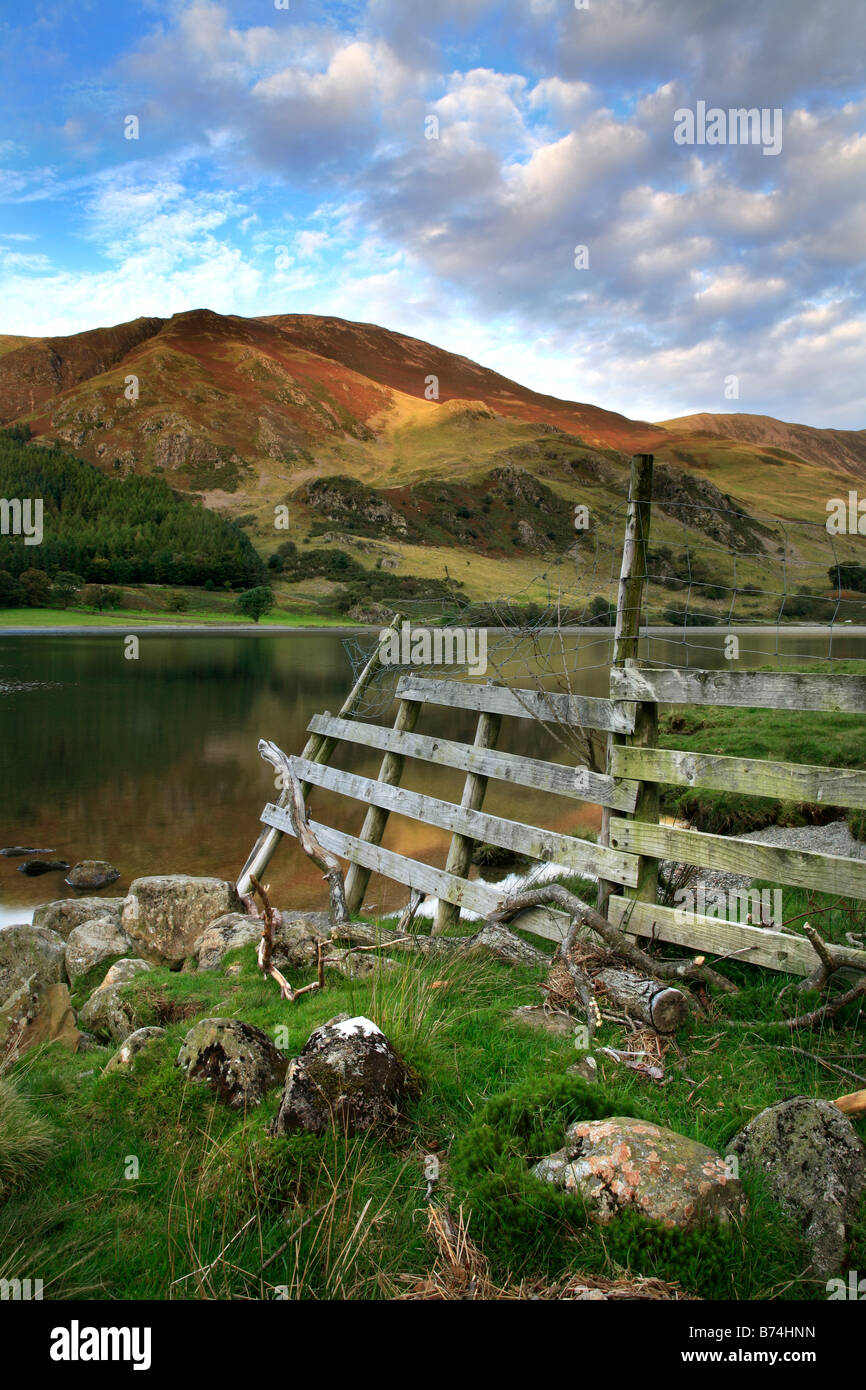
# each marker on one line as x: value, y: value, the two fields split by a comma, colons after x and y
x: 255, y: 603
x: 216, y: 1197
x: 132, y: 530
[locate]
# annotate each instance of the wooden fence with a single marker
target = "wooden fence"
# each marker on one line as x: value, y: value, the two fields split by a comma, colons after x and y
x: 633, y: 840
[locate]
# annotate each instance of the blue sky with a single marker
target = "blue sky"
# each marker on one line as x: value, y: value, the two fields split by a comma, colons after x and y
x: 282, y: 165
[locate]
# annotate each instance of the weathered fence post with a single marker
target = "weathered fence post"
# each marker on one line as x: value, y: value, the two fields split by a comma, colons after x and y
x: 625, y: 649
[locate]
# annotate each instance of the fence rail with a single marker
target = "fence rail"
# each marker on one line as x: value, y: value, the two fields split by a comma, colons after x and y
x: 633, y: 841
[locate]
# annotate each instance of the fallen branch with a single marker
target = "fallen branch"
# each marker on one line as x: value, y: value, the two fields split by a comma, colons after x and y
x: 828, y: 1010
x: 497, y: 940
x: 584, y: 916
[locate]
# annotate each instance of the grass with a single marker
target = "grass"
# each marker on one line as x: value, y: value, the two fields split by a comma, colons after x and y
x: 124, y: 617
x: 220, y: 1209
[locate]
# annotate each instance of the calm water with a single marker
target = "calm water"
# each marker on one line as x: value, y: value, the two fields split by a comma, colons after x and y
x: 152, y: 764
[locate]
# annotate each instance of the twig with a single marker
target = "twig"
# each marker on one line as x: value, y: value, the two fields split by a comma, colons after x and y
x: 266, y: 947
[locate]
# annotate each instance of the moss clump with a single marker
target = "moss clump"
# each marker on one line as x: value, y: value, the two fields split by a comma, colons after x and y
x: 526, y: 1224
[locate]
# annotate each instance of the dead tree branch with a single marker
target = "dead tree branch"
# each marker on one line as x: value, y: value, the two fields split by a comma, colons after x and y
x: 584, y: 916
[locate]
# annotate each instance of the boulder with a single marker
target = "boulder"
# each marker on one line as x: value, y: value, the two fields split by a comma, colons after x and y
x: 123, y: 971
x: 815, y: 1168
x: 92, y: 874
x: 53, y: 1020
x: 29, y: 956
x: 297, y: 937
x: 125, y: 1058
x: 348, y: 1076
x: 537, y: 1016
x: 66, y: 913
x: 32, y: 966
x: 623, y: 1164
x: 108, y: 1015
x: 165, y: 915
x: 226, y: 934
x: 236, y: 1059
x: 92, y: 943
x: 33, y: 868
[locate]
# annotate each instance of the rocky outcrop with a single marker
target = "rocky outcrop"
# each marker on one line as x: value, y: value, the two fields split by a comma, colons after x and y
x: 815, y: 1167
x: 226, y: 934
x: 348, y: 1076
x: 93, y: 943
x: 91, y: 874
x: 237, y: 1060
x: 623, y: 1164
x: 64, y: 914
x: 164, y: 916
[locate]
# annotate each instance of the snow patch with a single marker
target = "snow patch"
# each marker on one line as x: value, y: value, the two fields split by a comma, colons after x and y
x: 349, y: 1026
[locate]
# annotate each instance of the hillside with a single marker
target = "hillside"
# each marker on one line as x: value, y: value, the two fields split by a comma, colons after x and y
x: 331, y: 419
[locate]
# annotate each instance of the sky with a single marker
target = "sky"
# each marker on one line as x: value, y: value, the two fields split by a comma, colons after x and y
x: 434, y: 166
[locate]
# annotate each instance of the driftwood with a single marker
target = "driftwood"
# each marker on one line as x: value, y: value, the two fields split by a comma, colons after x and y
x: 621, y: 945
x: 322, y: 858
x: 855, y: 1104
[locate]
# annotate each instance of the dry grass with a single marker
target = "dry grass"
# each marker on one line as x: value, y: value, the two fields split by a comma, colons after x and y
x: 460, y: 1273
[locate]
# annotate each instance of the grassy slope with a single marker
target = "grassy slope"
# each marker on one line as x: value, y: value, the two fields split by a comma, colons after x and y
x: 209, y: 1179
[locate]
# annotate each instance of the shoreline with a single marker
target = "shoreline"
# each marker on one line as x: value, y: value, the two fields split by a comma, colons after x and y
x: 259, y: 629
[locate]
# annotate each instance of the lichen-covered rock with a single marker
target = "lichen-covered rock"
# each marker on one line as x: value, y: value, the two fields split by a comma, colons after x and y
x: 92, y: 943
x: 237, y: 1060
x: 108, y: 1015
x: 92, y: 874
x: 623, y: 1164
x: 123, y: 971
x: 815, y: 1167
x: 226, y: 934
x: 165, y: 915
x: 296, y: 939
x: 65, y: 914
x: 348, y: 1076
x: 30, y: 956
x: 125, y: 1058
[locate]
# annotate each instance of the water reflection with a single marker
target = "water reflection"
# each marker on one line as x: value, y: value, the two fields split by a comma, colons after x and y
x: 152, y: 764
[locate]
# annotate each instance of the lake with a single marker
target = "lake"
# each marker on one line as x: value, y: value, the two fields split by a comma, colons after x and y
x: 152, y: 764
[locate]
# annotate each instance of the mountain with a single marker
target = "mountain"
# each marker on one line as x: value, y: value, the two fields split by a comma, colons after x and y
x: 332, y: 418
x: 844, y: 450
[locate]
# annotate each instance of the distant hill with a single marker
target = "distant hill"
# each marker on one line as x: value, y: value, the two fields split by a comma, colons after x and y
x: 838, y: 449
